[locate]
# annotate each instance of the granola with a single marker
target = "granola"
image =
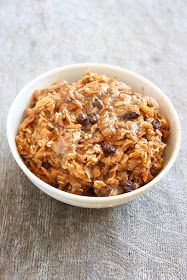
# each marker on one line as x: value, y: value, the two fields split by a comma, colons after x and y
x: 95, y: 137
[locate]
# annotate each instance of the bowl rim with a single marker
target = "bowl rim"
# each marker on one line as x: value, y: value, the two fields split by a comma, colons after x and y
x: 80, y: 198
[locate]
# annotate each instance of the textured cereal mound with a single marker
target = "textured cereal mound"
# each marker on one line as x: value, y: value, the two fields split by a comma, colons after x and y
x: 96, y: 137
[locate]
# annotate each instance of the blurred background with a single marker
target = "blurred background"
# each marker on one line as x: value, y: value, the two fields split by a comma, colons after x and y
x: 44, y: 239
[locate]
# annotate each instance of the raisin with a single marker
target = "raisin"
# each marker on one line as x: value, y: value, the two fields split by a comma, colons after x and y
x: 127, y: 185
x: 134, y: 181
x: 46, y: 165
x: 48, y: 114
x: 108, y: 148
x: 89, y: 192
x: 98, y: 103
x: 156, y: 124
x: 86, y: 125
x: 81, y: 118
x: 105, y: 191
x: 145, y: 137
x: 154, y: 170
x: 165, y: 135
x: 93, y: 118
x: 67, y: 187
x: 131, y: 116
x: 55, y: 185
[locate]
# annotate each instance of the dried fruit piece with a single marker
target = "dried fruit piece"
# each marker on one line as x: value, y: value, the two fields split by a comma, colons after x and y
x: 156, y: 124
x: 86, y: 125
x: 82, y: 118
x: 134, y: 180
x: 98, y: 103
x: 87, y: 120
x: 154, y: 170
x: 165, y: 135
x: 67, y: 187
x: 46, y: 165
x: 104, y: 191
x: 157, y: 166
x: 89, y: 192
x: 93, y: 118
x: 55, y: 185
x: 127, y: 185
x: 130, y: 115
x: 108, y: 148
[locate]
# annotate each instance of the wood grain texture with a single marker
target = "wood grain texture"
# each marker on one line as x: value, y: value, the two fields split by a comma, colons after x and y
x: 41, y: 238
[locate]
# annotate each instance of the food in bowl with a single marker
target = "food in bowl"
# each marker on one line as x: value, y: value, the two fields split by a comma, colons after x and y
x: 93, y: 137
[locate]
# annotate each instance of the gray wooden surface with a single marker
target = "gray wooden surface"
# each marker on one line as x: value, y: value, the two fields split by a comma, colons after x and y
x: 44, y: 239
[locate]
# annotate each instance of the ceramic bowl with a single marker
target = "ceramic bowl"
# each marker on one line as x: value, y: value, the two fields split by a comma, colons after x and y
x: 73, y: 73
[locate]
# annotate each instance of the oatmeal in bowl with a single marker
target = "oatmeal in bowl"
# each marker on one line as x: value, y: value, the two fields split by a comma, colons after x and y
x: 93, y: 137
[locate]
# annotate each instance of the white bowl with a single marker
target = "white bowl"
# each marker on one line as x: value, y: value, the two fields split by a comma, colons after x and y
x: 73, y: 73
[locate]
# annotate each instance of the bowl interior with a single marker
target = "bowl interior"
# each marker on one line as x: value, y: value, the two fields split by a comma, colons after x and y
x: 73, y: 73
